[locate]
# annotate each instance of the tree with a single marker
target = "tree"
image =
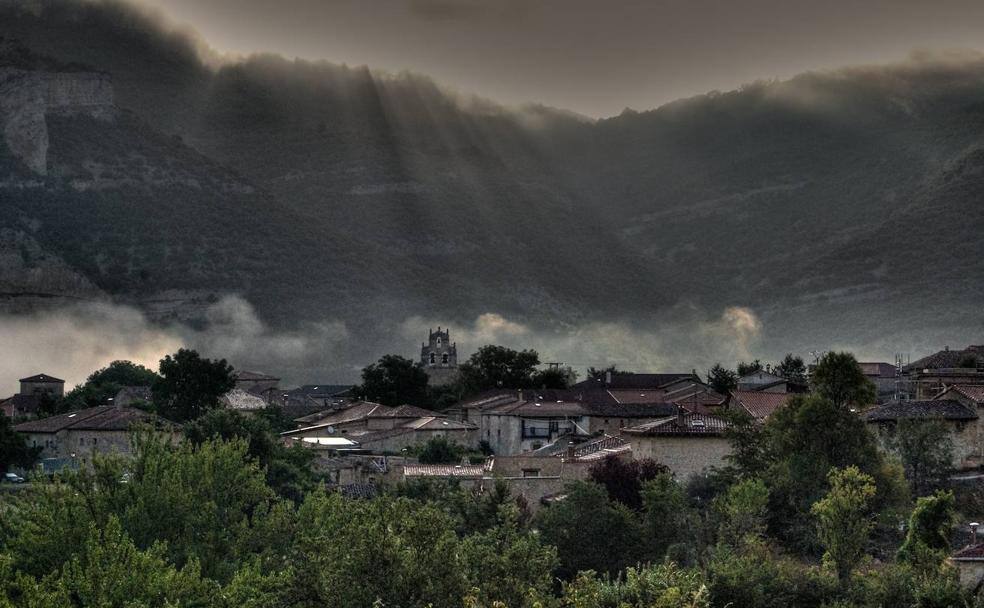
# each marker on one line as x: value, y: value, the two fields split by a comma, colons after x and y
x: 439, y: 450
x: 928, y: 534
x: 190, y: 385
x: 749, y: 368
x: 554, y: 378
x: 288, y: 470
x: 394, y: 380
x: 499, y: 367
x: 623, y: 478
x: 106, y: 383
x: 743, y: 510
x: 839, y: 378
x: 793, y: 454
x: 590, y: 532
x: 111, y: 571
x: 925, y: 449
x: 669, y: 519
x: 594, y: 373
x: 14, y: 451
x: 844, y: 519
x: 504, y: 564
x: 721, y: 379
x: 792, y: 368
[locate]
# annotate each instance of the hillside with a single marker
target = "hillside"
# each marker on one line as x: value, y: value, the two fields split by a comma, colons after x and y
x: 839, y: 206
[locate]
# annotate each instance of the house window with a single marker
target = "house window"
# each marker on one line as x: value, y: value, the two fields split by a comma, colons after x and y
x: 444, y: 358
x: 95, y: 440
x: 81, y: 440
x: 432, y: 358
x: 554, y: 426
x: 531, y: 472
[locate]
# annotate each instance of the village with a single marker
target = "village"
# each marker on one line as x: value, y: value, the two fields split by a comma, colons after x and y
x: 534, y: 439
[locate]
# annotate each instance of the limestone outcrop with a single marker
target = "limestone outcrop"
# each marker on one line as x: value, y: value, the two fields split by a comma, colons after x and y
x: 27, y: 97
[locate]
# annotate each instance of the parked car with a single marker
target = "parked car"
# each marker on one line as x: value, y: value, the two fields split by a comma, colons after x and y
x: 12, y: 478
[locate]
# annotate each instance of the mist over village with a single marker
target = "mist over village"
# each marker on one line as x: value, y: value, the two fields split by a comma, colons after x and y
x: 514, y: 304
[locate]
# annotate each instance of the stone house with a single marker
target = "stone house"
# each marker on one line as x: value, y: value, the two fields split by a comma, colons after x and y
x: 76, y: 436
x: 33, y: 390
x: 963, y: 422
x: 928, y: 376
x: 258, y: 383
x: 42, y: 384
x: 687, y: 443
x: 383, y: 429
x: 517, y: 422
x: 884, y: 376
x: 969, y: 563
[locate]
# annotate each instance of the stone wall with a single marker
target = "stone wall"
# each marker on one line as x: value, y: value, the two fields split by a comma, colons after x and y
x: 684, y: 455
x: 27, y: 97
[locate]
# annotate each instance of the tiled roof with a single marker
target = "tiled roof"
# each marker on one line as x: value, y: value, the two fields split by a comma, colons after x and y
x: 323, y: 389
x: 971, y: 391
x: 625, y: 395
x: 360, y: 410
x: 248, y: 376
x: 404, y: 411
x: 971, y: 553
x: 100, y: 418
x: 41, y: 378
x: 631, y: 410
x: 691, y: 424
x: 948, y: 358
x: 437, y: 423
x: 944, y: 409
x: 357, y: 490
x: 760, y: 405
x: 633, y: 381
x: 600, y: 448
x: 443, y: 470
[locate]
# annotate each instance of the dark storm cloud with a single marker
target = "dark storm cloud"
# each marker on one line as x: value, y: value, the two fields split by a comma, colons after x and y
x: 590, y: 56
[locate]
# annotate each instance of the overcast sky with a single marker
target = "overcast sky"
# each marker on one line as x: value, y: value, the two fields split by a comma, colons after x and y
x: 593, y: 57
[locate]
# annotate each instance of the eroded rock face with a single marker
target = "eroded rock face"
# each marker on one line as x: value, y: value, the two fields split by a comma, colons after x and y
x: 27, y: 97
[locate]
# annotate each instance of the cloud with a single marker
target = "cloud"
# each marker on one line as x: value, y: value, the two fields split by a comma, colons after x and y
x: 463, y: 10
x: 682, y: 339
x: 74, y: 341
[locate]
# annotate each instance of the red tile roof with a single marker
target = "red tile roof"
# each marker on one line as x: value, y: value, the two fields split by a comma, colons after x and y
x: 100, y: 418
x: 759, y: 404
x: 970, y: 553
x: 688, y: 424
x: 973, y: 392
x: 444, y: 470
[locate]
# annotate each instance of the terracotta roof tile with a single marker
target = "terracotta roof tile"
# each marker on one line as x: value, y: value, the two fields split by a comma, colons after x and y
x: 760, y: 404
x: 944, y: 409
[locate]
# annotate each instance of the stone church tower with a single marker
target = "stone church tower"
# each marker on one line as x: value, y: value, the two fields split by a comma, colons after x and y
x: 439, y: 357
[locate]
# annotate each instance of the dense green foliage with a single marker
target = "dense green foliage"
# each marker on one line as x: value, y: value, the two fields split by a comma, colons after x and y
x: 394, y: 380
x: 499, y: 367
x: 838, y: 378
x: 102, y: 385
x: 190, y: 385
x: 14, y: 451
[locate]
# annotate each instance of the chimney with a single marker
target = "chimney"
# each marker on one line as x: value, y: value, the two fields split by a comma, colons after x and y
x: 608, y: 378
x: 973, y: 533
x: 570, y: 451
x: 519, y: 394
x: 681, y: 422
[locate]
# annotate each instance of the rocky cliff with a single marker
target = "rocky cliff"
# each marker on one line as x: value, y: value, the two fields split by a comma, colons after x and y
x: 27, y: 97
